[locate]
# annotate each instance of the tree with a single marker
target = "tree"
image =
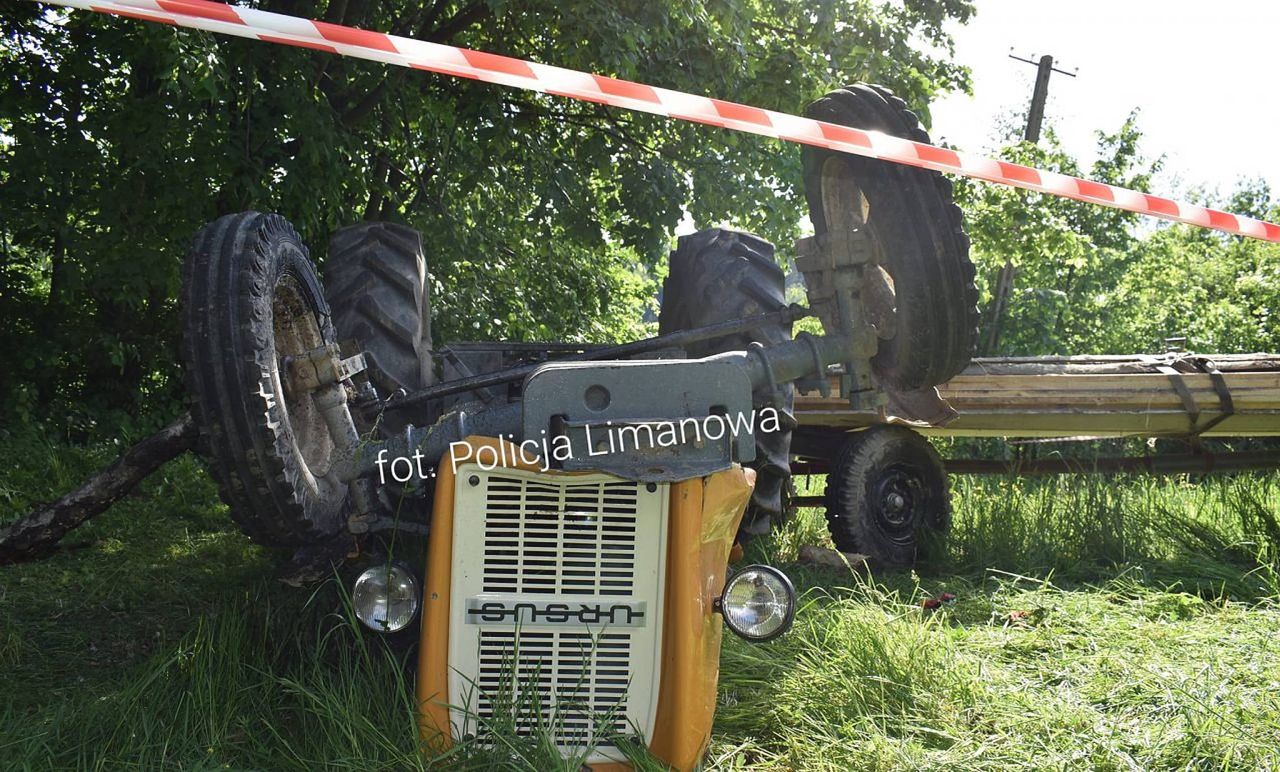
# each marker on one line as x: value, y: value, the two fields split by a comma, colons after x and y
x: 1215, y: 290
x: 1093, y: 280
x: 546, y: 217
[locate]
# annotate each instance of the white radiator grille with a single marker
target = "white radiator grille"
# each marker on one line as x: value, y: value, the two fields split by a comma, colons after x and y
x: 584, y: 676
x: 523, y: 539
x: 558, y: 539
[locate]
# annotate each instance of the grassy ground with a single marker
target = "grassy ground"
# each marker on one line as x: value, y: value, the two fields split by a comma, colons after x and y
x: 1096, y: 623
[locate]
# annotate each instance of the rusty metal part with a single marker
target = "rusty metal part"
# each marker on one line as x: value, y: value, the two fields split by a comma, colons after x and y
x: 319, y: 367
x: 836, y: 266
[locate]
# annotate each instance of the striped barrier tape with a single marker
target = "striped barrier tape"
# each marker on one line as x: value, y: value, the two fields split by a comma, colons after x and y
x: 518, y: 73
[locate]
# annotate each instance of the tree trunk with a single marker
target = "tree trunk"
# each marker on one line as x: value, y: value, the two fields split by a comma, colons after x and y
x: 39, y: 532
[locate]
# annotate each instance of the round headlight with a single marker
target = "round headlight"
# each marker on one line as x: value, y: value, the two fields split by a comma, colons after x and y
x: 758, y: 603
x: 386, y: 597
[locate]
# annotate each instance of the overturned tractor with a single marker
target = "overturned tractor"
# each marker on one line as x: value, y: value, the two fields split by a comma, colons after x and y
x: 580, y: 503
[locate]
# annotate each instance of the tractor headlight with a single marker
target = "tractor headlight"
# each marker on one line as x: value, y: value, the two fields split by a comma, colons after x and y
x: 758, y: 603
x: 386, y: 597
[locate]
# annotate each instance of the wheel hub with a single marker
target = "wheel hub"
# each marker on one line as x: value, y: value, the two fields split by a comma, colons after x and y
x: 296, y: 332
x: 895, y: 501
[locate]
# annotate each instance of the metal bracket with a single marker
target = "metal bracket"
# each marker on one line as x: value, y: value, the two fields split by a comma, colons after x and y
x: 605, y: 412
x: 321, y: 367
x: 834, y: 268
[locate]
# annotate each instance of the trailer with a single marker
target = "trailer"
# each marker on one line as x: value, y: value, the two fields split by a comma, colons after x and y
x: 887, y: 489
x: 1170, y: 395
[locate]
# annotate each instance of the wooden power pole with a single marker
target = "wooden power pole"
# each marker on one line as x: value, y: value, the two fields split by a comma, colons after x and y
x: 1035, y: 119
x: 1035, y: 115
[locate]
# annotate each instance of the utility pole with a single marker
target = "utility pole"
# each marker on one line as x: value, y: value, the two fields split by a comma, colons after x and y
x: 1035, y: 118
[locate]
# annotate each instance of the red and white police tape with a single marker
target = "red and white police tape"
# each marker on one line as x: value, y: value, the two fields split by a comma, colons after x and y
x: 517, y: 73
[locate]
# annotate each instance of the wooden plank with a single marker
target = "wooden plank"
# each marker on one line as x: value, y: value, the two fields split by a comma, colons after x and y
x: 1099, y: 396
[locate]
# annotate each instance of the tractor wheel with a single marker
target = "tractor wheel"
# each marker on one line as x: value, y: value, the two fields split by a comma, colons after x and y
x: 250, y: 299
x: 719, y: 275
x: 921, y: 297
x: 887, y: 497
x: 376, y: 284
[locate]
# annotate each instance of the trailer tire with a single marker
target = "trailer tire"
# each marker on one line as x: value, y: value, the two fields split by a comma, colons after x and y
x: 888, y: 498
x: 376, y: 284
x: 914, y: 228
x: 250, y: 297
x: 718, y: 275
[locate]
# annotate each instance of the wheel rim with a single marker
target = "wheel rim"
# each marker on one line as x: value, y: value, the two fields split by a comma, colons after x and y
x: 295, y: 331
x: 897, y: 497
x: 847, y: 211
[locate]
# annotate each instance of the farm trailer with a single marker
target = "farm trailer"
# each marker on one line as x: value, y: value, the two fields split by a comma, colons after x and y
x: 887, y: 487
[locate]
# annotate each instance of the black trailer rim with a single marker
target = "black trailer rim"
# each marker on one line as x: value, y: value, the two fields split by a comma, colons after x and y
x: 896, y: 499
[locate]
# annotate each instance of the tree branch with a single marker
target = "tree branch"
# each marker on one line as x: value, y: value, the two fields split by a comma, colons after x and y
x: 469, y: 15
x: 38, y: 533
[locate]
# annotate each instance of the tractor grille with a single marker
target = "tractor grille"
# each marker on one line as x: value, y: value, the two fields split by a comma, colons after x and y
x: 572, y: 541
x: 559, y: 539
x: 572, y: 684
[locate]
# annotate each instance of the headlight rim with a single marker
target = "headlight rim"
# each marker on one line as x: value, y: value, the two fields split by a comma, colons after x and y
x: 408, y: 571
x: 787, y: 621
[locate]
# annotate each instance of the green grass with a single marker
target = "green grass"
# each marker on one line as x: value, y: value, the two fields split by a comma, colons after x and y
x: 1098, y: 623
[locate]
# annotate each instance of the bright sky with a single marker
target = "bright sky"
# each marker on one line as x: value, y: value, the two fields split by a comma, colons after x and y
x: 1203, y: 74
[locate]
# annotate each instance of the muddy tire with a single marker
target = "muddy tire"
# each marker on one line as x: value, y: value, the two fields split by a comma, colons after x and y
x: 888, y: 498
x: 250, y: 298
x: 926, y: 310
x: 718, y: 275
x: 376, y: 284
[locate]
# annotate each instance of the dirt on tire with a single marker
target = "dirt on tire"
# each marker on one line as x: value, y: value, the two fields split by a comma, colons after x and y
x: 916, y: 230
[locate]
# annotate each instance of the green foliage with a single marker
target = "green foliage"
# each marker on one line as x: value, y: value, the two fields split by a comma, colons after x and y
x: 1216, y: 291
x: 1093, y: 280
x: 544, y: 216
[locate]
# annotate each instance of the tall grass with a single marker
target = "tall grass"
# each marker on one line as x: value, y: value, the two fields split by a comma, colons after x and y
x: 1110, y: 623
x: 1217, y: 535
x: 262, y: 684
x: 1099, y: 623
x: 268, y: 683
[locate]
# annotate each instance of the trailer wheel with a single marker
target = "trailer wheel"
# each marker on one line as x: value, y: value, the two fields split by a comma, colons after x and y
x: 376, y: 284
x: 888, y: 498
x: 718, y: 275
x: 251, y: 298
x: 922, y: 297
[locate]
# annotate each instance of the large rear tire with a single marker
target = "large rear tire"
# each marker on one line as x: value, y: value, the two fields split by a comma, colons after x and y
x: 924, y: 300
x: 376, y: 284
x: 718, y: 275
x: 888, y: 498
x: 250, y: 299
